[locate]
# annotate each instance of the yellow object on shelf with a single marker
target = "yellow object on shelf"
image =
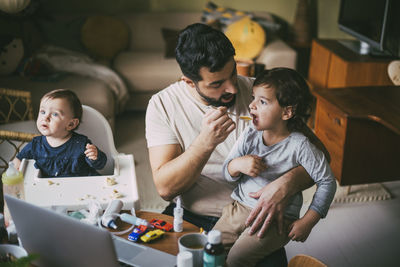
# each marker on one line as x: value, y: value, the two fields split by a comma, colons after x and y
x: 248, y: 38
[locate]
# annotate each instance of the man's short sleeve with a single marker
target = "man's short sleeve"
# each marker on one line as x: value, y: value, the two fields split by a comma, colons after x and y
x: 158, y: 126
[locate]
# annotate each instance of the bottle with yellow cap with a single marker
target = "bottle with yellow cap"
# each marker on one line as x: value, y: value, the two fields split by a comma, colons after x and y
x: 13, y: 185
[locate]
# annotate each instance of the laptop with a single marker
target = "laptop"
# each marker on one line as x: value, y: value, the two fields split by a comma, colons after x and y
x: 64, y: 241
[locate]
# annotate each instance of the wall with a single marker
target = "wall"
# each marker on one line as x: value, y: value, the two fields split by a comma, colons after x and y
x: 327, y: 9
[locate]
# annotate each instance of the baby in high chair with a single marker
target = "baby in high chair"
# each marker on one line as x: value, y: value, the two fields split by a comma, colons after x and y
x: 60, y: 151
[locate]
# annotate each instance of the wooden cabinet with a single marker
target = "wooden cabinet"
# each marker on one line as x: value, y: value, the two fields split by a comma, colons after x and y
x: 334, y: 65
x: 360, y: 127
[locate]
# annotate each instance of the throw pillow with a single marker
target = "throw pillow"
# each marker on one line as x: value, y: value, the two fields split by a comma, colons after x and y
x: 170, y: 37
x: 104, y: 36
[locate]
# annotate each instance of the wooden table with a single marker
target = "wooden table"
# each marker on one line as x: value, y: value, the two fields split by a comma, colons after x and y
x: 169, y: 242
x: 360, y: 127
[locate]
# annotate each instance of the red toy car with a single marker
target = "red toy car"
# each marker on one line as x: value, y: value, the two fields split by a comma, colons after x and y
x: 161, y: 224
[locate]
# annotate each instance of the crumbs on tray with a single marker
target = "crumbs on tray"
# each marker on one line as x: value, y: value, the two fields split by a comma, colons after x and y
x: 111, y: 181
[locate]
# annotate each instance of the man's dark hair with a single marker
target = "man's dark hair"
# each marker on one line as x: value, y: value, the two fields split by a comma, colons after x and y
x: 200, y: 45
x: 291, y: 90
x: 71, y: 98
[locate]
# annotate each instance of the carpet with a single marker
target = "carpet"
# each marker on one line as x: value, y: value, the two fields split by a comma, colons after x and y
x: 354, y: 193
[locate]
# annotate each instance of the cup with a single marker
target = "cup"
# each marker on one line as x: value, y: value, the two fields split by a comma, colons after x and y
x: 245, y: 67
x: 194, y: 243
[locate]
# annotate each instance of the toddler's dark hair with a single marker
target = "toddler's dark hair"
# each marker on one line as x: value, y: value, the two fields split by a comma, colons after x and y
x: 291, y: 90
x: 72, y: 99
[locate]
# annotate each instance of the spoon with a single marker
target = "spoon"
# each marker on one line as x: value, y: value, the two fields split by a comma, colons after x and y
x: 245, y: 118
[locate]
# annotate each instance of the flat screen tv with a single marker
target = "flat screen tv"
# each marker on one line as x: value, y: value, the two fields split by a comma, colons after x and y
x: 372, y: 23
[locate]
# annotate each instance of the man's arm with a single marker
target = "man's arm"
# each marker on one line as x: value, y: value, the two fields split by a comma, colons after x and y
x: 175, y: 171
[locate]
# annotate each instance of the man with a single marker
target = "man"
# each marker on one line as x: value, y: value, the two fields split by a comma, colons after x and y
x: 190, y: 132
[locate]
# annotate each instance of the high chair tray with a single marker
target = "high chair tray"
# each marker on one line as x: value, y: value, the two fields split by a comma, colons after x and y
x: 74, y: 193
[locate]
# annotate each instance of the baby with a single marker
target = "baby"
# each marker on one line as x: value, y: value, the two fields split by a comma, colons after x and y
x: 266, y: 150
x: 60, y: 151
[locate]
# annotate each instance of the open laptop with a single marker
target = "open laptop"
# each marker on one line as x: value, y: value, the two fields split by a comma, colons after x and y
x: 64, y: 241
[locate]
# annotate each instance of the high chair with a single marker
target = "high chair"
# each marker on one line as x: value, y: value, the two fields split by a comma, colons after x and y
x: 117, y: 179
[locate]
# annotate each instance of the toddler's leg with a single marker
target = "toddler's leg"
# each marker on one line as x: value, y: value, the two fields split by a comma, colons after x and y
x: 249, y: 249
x: 232, y: 223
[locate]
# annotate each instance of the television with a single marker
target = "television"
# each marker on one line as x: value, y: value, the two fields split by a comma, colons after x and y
x: 374, y: 23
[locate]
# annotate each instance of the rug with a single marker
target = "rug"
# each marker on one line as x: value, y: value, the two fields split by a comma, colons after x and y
x: 353, y: 193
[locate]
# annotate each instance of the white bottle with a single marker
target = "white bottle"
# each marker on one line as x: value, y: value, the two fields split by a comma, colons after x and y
x: 13, y: 185
x: 111, y: 213
x: 184, y: 259
x: 178, y: 216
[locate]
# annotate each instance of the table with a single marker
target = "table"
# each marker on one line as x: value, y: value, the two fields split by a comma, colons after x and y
x: 169, y: 242
x: 360, y: 127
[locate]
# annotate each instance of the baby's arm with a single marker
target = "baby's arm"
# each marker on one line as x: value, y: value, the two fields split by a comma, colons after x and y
x: 301, y: 228
x: 97, y: 158
x: 251, y: 165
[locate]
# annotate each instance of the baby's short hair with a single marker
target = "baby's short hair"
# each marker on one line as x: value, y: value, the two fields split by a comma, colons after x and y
x: 71, y: 98
x: 291, y: 90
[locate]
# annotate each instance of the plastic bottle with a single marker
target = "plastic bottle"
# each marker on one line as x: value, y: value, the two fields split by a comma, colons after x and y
x: 178, y: 216
x: 111, y: 213
x: 214, y: 253
x: 184, y: 259
x: 134, y: 220
x: 13, y: 185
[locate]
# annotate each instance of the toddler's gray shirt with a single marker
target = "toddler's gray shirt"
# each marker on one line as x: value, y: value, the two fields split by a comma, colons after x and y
x: 281, y: 157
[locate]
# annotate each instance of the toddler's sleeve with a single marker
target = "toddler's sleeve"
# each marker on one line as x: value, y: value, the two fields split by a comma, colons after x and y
x: 100, y: 162
x: 26, y: 152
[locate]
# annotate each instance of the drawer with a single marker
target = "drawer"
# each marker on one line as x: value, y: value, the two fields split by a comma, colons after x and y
x: 330, y: 127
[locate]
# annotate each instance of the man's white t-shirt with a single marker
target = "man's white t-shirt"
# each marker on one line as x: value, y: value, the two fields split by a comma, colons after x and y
x: 174, y: 116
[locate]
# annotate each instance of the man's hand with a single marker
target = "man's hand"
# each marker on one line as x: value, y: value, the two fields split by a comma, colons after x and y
x: 91, y: 152
x: 271, y: 203
x: 216, y: 126
x: 251, y: 165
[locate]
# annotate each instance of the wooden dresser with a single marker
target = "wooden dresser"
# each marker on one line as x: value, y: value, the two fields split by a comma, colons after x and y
x: 334, y: 65
x: 360, y: 127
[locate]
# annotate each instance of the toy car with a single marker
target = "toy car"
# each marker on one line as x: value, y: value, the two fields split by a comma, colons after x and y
x: 151, y: 235
x: 161, y: 224
x: 137, y: 232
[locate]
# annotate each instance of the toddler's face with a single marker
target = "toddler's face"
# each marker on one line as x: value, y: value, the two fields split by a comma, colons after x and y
x: 265, y: 108
x: 55, y: 118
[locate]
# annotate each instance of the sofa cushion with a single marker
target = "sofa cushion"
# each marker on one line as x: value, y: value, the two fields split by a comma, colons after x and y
x: 104, y: 36
x: 147, y: 71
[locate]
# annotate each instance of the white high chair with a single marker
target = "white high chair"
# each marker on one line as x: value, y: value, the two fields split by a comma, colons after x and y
x: 74, y: 193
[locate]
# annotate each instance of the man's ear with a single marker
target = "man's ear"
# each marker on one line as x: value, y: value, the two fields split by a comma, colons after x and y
x: 288, y: 112
x: 188, y: 81
x: 73, y: 123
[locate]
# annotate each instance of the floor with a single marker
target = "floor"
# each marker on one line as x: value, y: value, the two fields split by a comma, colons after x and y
x: 353, y: 234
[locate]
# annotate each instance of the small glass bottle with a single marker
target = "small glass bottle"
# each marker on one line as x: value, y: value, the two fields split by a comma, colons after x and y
x: 214, y: 252
x: 13, y: 185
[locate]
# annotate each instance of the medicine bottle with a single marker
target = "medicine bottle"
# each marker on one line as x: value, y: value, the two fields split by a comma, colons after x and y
x: 214, y: 253
x: 13, y: 185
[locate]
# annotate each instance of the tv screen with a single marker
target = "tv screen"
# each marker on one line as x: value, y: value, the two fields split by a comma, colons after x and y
x: 365, y: 20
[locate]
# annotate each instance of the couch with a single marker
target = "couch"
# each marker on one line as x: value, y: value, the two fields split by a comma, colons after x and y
x: 142, y: 66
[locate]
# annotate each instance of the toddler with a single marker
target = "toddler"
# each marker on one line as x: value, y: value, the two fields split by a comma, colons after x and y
x: 267, y: 149
x: 60, y: 151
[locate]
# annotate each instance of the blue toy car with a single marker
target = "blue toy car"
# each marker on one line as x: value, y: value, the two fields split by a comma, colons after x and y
x: 137, y: 232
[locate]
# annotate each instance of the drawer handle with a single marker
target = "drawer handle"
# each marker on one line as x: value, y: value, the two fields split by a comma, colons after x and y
x: 337, y: 121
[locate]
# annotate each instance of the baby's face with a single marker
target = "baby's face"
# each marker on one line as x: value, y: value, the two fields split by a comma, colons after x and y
x: 55, y: 118
x: 265, y: 109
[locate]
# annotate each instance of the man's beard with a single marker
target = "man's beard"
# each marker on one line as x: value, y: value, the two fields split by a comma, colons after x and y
x: 217, y: 102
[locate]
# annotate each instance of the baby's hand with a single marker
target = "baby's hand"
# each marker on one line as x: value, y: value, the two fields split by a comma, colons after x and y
x: 300, y: 230
x: 251, y: 165
x: 91, y: 152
